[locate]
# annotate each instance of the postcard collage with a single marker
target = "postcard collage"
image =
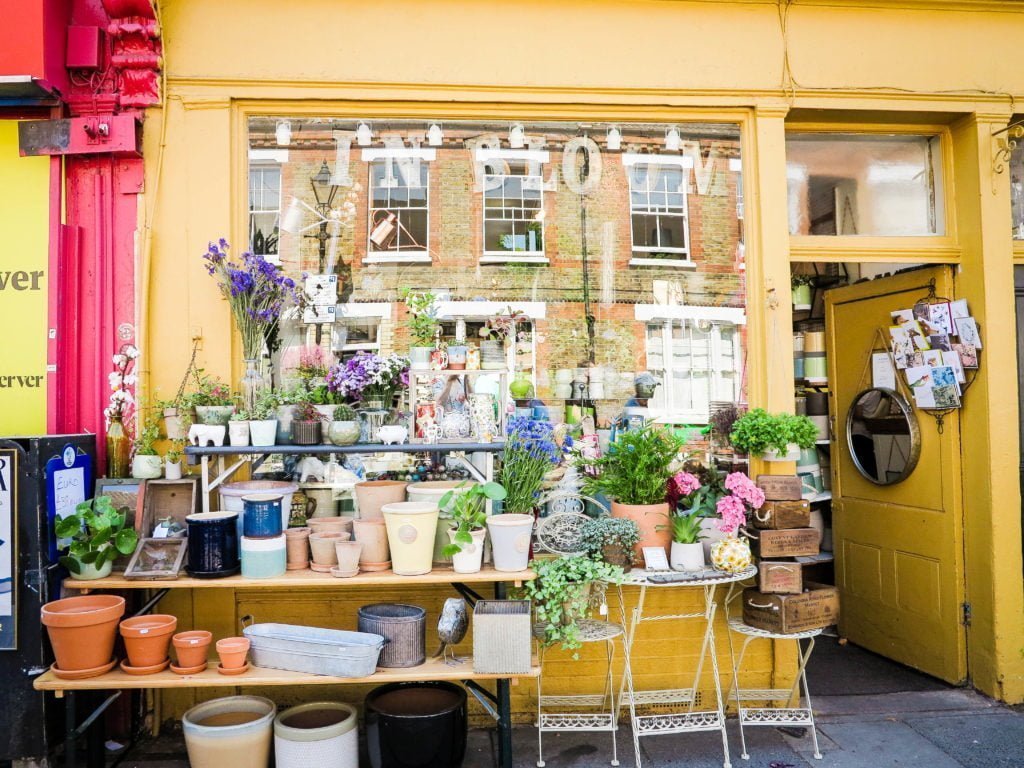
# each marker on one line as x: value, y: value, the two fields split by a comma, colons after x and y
x: 934, y: 345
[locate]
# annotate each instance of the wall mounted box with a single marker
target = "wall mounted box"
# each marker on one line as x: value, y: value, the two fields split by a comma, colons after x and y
x: 94, y: 135
x: 84, y: 47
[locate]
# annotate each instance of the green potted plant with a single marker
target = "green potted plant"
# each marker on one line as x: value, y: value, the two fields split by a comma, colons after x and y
x: 97, y: 536
x: 238, y: 428
x: 467, y: 507
x: 172, y: 461
x: 263, y: 420
x: 801, y: 287
x: 687, y: 551
x: 562, y: 594
x: 211, y: 399
x: 307, y: 426
x: 634, y: 474
x: 776, y: 437
x: 146, y: 464
x: 343, y: 428
x: 423, y: 325
x: 611, y: 539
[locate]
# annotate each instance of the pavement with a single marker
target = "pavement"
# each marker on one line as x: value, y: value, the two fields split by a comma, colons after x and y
x: 871, y: 713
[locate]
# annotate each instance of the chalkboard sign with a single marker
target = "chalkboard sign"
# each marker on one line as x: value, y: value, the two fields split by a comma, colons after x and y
x: 8, y: 548
x: 68, y: 480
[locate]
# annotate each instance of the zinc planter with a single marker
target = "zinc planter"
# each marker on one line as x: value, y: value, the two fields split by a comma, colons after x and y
x: 687, y: 557
x: 470, y: 558
x: 147, y: 467
x: 307, y: 432
x: 217, y: 415
x: 263, y: 433
x: 238, y: 433
x: 510, y: 540
x: 232, y: 732
x: 653, y: 522
x: 372, y: 495
x: 147, y: 638
x: 82, y: 631
x: 322, y: 734
x: 411, y: 526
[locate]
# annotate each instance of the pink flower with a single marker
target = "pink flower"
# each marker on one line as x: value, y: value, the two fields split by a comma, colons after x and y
x: 680, y: 485
x: 733, y: 513
x: 745, y: 488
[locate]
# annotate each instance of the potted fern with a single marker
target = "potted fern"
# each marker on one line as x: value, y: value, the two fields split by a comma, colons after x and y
x: 97, y: 535
x: 776, y: 437
x: 467, y: 507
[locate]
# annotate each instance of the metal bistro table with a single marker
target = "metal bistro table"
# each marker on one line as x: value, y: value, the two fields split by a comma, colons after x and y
x: 688, y: 720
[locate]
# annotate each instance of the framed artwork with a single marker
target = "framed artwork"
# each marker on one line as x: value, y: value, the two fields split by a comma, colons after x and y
x: 124, y: 492
x: 157, y: 559
x: 8, y: 548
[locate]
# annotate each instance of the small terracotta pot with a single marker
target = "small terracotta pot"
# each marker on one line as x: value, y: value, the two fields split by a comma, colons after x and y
x: 232, y: 652
x: 329, y: 525
x: 192, y: 647
x: 323, y: 547
x: 82, y: 630
x: 373, y: 535
x: 653, y: 522
x: 146, y: 638
x: 297, y: 541
x: 372, y: 495
x: 348, y: 553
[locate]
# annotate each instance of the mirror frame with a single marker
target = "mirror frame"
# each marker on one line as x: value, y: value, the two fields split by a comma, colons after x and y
x: 915, y: 434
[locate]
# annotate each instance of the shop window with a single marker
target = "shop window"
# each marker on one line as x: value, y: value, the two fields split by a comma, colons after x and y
x: 513, y: 217
x: 658, y: 213
x: 264, y: 208
x: 1017, y: 190
x: 698, y: 361
x: 861, y: 184
x: 398, y: 224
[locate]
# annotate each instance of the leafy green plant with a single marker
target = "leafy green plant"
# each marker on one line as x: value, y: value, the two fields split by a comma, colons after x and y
x: 468, y: 510
x: 97, y: 534
x: 206, y: 390
x: 759, y: 431
x: 561, y: 594
x: 240, y: 415
x: 798, y: 280
x: 345, y: 413
x: 686, y: 527
x: 145, y: 442
x: 600, y: 532
x: 636, y: 468
x: 265, y: 406
x: 423, y: 322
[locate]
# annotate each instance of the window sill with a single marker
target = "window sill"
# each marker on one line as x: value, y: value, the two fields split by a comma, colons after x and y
x: 398, y: 258
x: 677, y: 263
x: 490, y: 258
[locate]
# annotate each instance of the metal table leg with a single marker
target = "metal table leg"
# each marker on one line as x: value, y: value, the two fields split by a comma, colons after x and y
x: 504, y: 703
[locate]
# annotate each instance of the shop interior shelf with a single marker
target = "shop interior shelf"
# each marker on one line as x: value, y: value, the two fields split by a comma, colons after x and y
x: 412, y: 447
x: 431, y: 374
x: 433, y: 669
x: 487, y: 575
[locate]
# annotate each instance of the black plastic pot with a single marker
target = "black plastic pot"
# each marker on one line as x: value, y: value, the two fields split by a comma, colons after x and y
x: 212, y: 545
x: 416, y: 725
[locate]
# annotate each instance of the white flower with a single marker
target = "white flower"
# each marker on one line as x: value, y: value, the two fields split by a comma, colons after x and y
x: 131, y: 379
x: 131, y: 352
x: 115, y: 379
x: 120, y: 359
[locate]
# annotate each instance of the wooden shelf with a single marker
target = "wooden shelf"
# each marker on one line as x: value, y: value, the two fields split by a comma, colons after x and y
x: 309, y: 578
x: 463, y: 372
x: 433, y: 669
x: 821, y: 557
x: 412, y: 447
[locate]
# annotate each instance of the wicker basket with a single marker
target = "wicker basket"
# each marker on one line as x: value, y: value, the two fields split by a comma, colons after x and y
x: 404, y: 628
x: 501, y: 637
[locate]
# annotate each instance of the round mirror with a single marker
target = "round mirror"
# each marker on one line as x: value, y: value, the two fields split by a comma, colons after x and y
x: 883, y: 436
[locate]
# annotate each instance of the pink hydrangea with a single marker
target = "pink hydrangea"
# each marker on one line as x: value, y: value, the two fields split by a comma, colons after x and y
x: 686, y: 483
x: 742, y: 486
x: 733, y: 513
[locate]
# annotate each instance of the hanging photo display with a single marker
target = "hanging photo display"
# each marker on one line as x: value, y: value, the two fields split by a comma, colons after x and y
x: 935, y: 344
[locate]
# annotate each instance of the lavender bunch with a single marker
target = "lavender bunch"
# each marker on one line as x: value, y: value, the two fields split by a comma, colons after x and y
x: 367, y: 376
x: 530, y: 453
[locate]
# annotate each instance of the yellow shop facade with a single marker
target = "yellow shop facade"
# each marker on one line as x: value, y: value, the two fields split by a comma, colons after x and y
x: 640, y: 179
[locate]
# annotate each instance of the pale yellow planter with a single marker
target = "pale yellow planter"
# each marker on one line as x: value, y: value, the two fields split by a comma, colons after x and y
x: 412, y: 526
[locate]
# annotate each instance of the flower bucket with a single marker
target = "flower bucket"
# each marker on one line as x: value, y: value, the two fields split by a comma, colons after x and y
x: 232, y: 731
x: 471, y: 558
x: 412, y: 527
x: 511, y: 535
x: 653, y: 522
x: 322, y: 734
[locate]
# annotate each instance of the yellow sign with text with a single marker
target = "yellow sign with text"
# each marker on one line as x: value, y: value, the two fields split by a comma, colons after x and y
x: 24, y: 220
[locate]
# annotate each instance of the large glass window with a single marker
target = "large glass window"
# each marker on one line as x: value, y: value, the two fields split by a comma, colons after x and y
x: 399, y: 208
x: 657, y: 204
x: 514, y: 211
x: 861, y: 184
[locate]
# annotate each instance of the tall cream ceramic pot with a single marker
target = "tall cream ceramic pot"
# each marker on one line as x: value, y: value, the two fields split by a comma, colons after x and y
x: 510, y: 540
x: 232, y: 732
x: 412, y: 526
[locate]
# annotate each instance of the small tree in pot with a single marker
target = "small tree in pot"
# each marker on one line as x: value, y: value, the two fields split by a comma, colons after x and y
x: 469, y: 513
x: 612, y: 540
x: 98, y: 535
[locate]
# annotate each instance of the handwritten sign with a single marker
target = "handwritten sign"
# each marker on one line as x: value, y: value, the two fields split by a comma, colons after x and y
x: 8, y: 547
x: 68, y: 479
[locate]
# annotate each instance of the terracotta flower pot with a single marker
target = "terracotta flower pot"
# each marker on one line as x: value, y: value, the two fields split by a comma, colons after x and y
x: 322, y: 546
x: 373, y: 535
x: 653, y: 522
x: 146, y: 638
x: 372, y: 495
x: 329, y: 524
x: 82, y: 630
x: 232, y: 652
x: 297, y: 541
x: 192, y: 647
x: 348, y: 553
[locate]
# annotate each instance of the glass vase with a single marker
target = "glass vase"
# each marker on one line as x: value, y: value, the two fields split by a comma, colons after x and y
x: 370, y: 422
x: 118, y: 449
x: 253, y: 383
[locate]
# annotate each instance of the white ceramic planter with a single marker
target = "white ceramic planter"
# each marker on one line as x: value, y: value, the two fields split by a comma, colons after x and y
x: 471, y: 558
x: 687, y: 557
x: 263, y: 433
x: 792, y: 454
x: 172, y: 470
x: 321, y: 734
x: 419, y: 358
x: 711, y: 535
x: 147, y: 467
x: 238, y: 433
x: 510, y: 540
x: 411, y: 526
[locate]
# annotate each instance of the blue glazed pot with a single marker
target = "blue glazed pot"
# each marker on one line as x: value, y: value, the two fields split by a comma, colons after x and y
x: 212, y: 544
x: 262, y: 516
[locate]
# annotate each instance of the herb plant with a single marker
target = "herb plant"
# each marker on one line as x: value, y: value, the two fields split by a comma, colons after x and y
x: 636, y: 468
x: 796, y: 280
x: 423, y: 323
x: 145, y: 443
x: 97, y: 534
x: 759, y: 431
x: 601, y: 532
x: 469, y: 512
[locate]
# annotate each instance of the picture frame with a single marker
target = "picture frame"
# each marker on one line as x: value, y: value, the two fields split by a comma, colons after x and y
x: 9, y: 481
x: 124, y: 492
x: 157, y: 559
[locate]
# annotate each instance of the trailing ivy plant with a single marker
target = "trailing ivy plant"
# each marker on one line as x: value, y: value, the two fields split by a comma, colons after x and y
x: 561, y: 595
x: 469, y: 512
x: 635, y: 470
x: 98, y: 534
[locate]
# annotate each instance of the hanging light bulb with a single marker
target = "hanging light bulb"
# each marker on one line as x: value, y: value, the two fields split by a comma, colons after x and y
x: 614, y: 138
x: 283, y: 133
x: 672, y: 140
x: 364, y: 136
x: 435, y: 135
x: 516, y: 136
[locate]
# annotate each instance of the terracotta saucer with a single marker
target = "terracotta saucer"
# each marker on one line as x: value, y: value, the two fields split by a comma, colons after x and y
x: 385, y: 566
x: 82, y: 674
x: 188, y: 670
x: 297, y: 566
x: 239, y: 671
x: 320, y: 568
x: 343, y: 574
x: 150, y: 670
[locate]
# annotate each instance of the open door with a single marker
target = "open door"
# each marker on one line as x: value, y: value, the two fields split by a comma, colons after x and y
x: 898, y: 548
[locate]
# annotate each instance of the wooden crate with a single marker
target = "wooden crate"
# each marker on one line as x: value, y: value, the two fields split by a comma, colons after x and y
x: 784, y: 614
x: 780, y: 577
x: 168, y: 498
x: 780, y: 487
x: 779, y: 515
x: 795, y: 542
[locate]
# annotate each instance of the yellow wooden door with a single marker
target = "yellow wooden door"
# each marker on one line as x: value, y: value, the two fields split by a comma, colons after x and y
x: 899, y: 548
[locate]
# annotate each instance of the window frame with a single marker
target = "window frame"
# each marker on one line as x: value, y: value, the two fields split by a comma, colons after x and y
x: 411, y: 255
x: 263, y: 164
x: 681, y: 256
x: 508, y: 257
